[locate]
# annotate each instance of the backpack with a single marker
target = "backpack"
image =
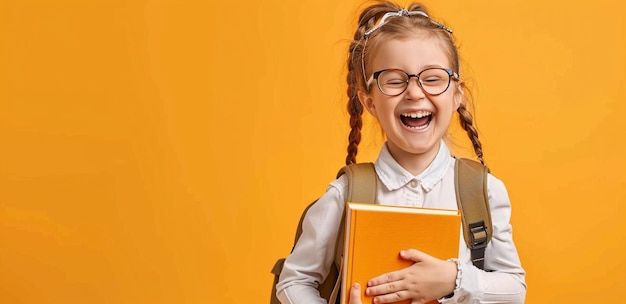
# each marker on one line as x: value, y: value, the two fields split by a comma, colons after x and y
x: 470, y: 182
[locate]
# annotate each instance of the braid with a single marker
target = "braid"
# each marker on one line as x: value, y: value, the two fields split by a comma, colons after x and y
x: 367, y: 20
x: 355, y: 109
x: 466, y: 120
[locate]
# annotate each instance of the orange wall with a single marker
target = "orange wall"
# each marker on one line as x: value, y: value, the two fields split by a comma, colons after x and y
x: 161, y: 151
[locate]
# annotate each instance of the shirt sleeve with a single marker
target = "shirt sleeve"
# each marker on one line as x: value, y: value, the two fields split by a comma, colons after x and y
x: 504, y: 280
x: 312, y: 256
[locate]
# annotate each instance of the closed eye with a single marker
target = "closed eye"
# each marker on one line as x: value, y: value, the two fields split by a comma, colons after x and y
x: 395, y: 82
x: 432, y: 80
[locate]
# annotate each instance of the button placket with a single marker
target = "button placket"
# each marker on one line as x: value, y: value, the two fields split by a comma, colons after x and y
x: 414, y: 190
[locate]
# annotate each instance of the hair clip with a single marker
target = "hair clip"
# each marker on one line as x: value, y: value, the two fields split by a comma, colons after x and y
x: 405, y: 13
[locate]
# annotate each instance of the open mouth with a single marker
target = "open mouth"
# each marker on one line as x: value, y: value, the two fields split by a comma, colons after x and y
x: 416, y: 120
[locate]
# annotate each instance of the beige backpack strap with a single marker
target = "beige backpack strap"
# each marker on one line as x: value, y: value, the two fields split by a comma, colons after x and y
x: 362, y: 182
x: 472, y: 199
x: 362, y: 187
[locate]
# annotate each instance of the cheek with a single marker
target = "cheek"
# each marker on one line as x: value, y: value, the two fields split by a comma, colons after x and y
x: 452, y: 101
x: 385, y: 108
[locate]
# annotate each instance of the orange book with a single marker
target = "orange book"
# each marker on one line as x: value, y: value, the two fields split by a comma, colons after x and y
x: 375, y: 234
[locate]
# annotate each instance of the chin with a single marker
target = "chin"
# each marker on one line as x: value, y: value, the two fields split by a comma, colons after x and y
x: 422, y: 148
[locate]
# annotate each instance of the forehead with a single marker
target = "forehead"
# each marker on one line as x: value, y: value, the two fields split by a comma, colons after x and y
x: 411, y: 54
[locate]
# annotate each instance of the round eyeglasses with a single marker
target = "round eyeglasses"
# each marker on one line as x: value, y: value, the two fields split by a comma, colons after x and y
x: 433, y: 81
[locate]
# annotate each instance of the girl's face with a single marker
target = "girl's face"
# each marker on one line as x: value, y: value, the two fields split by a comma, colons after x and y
x: 413, y: 122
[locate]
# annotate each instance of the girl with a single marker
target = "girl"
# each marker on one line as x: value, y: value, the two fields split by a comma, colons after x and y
x: 403, y: 67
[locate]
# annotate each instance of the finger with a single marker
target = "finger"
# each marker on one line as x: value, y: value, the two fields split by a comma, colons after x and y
x: 386, y: 288
x: 385, y: 278
x: 413, y: 255
x: 392, y: 297
x: 355, y: 294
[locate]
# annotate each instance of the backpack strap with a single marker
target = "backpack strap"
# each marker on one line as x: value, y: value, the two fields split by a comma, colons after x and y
x: 362, y: 185
x: 362, y: 182
x: 470, y: 181
x: 362, y: 188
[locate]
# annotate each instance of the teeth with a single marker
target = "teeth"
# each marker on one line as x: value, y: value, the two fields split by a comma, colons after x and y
x: 418, y: 114
x: 418, y: 128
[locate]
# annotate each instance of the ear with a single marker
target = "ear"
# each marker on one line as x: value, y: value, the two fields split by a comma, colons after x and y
x: 368, y: 102
x: 459, y: 95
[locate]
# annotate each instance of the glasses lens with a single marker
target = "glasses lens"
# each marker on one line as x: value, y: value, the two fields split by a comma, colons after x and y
x: 434, y: 81
x: 392, y: 82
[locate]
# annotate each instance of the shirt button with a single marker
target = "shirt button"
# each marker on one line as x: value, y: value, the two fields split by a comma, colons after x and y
x: 461, y: 299
x: 414, y: 184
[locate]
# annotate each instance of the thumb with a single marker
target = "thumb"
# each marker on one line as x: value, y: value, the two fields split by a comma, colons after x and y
x: 355, y: 294
x: 413, y: 255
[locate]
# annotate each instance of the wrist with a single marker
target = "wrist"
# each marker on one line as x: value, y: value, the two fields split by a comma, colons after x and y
x: 457, y: 278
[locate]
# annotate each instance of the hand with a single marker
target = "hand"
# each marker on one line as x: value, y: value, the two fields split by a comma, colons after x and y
x: 426, y: 280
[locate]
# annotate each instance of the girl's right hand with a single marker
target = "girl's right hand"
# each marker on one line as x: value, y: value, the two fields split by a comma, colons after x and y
x: 355, y: 294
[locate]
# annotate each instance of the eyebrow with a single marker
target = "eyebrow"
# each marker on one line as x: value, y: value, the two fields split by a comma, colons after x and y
x: 432, y: 66
x: 429, y: 66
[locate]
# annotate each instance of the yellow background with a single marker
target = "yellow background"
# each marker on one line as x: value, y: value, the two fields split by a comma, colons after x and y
x: 162, y: 151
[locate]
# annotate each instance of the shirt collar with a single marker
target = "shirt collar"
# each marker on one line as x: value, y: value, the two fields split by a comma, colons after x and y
x: 393, y: 176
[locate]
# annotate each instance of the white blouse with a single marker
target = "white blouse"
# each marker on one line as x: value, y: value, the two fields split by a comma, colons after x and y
x: 313, y: 254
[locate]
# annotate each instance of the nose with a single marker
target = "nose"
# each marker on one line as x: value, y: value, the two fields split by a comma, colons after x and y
x: 414, y: 90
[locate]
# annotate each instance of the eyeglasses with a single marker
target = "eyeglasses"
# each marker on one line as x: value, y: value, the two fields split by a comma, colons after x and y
x: 433, y: 81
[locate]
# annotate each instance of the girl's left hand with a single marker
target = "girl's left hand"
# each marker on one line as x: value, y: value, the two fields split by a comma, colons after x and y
x: 427, y: 279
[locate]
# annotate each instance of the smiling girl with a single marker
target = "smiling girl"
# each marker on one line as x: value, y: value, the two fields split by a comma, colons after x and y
x: 403, y: 68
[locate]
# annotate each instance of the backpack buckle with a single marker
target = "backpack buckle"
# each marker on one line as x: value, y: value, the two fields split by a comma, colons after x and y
x: 478, y: 232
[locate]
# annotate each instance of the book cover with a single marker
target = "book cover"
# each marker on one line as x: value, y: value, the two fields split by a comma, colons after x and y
x: 375, y: 234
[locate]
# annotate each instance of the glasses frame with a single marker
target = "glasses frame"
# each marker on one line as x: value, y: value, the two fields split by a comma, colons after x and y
x: 452, y: 75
